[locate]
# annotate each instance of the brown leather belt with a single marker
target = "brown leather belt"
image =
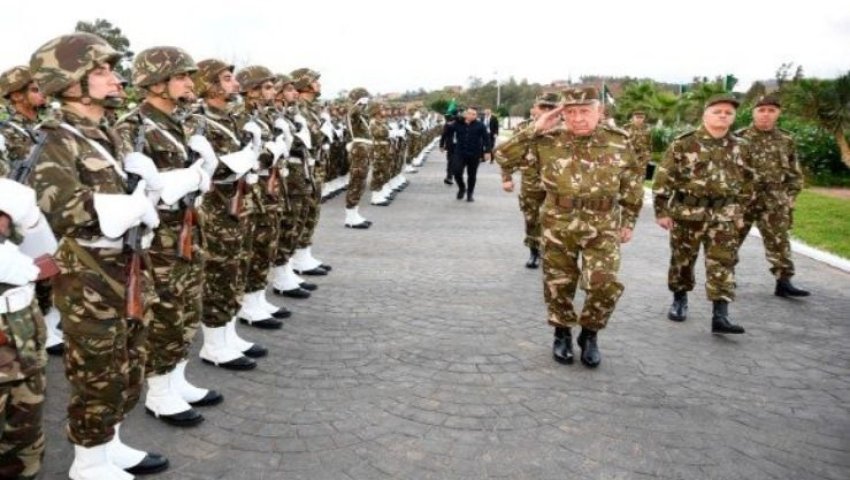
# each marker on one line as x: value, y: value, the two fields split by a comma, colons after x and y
x: 599, y: 204
x: 704, y: 202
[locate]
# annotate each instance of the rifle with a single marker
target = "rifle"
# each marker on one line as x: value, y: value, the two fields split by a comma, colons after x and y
x: 20, y: 173
x: 133, y: 304
x: 190, y: 214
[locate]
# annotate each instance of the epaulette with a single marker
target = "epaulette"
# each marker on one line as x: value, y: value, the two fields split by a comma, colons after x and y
x: 131, y: 116
x: 617, y: 130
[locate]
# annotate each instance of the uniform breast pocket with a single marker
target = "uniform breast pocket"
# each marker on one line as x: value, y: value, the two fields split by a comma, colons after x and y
x: 96, y: 171
x: 606, y: 174
x: 167, y: 157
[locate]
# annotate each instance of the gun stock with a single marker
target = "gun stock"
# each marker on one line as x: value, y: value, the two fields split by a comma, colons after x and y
x: 133, y: 305
x: 184, y: 241
x: 237, y: 201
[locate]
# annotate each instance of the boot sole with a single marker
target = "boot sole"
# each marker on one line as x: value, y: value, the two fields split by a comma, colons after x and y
x: 176, y: 423
x: 564, y: 361
x: 248, y: 366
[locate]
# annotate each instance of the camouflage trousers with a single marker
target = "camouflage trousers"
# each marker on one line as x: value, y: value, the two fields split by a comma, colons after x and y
x: 265, y: 234
x: 21, y: 427
x: 381, y: 167
x: 593, y: 238
x: 360, y: 158
x: 773, y: 220
x: 105, y: 353
x: 720, y: 241
x: 227, y: 255
x: 294, y: 218
x: 530, y: 201
x: 179, y: 284
x: 315, y: 206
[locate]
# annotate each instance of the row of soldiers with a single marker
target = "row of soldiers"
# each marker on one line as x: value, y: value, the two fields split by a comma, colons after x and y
x: 582, y: 191
x: 172, y: 217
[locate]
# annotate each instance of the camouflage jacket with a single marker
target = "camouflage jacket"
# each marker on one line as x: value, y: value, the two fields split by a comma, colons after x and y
x: 358, y: 122
x: 379, y: 130
x: 165, y: 137
x: 772, y: 158
x: 702, y: 178
x: 600, y: 166
x: 518, y: 153
x: 641, y: 138
x: 70, y: 170
x: 310, y: 113
x: 17, y: 135
x: 221, y: 130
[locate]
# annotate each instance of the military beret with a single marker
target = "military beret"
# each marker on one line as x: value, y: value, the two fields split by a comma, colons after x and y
x: 579, y: 96
x: 550, y: 99
x: 769, y: 99
x: 722, y: 98
x: 639, y: 112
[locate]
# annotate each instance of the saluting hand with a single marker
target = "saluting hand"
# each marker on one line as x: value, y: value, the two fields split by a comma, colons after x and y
x: 548, y: 120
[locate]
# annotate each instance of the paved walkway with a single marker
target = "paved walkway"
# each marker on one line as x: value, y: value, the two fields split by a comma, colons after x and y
x: 425, y: 354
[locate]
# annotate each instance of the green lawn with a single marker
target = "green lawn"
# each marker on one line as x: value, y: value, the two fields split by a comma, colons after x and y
x: 823, y: 221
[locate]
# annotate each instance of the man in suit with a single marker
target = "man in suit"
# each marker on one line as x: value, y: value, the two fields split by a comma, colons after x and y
x: 492, y: 124
x: 447, y: 144
x: 472, y: 141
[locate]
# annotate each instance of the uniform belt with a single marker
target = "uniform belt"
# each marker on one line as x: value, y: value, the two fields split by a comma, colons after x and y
x: 294, y: 161
x: 17, y: 299
x: 102, y: 242
x: 704, y: 202
x: 362, y: 140
x: 600, y: 204
x: 381, y: 142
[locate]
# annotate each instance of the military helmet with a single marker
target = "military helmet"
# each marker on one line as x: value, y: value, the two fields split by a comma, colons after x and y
x: 207, y: 75
x: 302, y: 78
x: 65, y: 60
x: 281, y: 80
x: 14, y: 79
x: 252, y: 77
x: 158, y: 64
x: 358, y: 93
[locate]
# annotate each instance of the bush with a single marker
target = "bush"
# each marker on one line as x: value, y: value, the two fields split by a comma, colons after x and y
x: 662, y: 136
x: 817, y: 153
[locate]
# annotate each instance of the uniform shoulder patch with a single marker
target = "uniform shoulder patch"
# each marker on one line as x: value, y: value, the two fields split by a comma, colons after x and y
x: 615, y: 130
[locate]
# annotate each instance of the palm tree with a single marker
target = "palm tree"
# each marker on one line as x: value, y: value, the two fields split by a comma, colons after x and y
x: 827, y: 104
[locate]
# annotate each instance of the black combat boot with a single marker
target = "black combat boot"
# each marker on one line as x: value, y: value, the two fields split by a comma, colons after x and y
x: 784, y: 288
x: 590, y: 355
x: 533, y: 259
x: 679, y: 309
x: 562, y: 348
x: 720, y: 322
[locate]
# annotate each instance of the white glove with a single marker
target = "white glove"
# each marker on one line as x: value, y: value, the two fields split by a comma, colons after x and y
x: 2, y: 143
x: 143, y: 166
x: 117, y: 213
x: 252, y: 178
x: 327, y: 130
x: 181, y: 181
x: 18, y: 202
x: 205, y: 150
x: 278, y: 148
x: 15, y: 267
x: 206, y: 181
x: 256, y: 133
x: 325, y: 116
x: 286, y: 131
x: 38, y: 239
x: 362, y: 101
x: 240, y: 162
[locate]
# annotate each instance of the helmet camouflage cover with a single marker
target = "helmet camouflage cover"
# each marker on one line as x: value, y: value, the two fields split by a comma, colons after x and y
x: 14, y: 79
x: 207, y: 74
x: 252, y: 77
x: 158, y: 64
x: 302, y: 78
x: 65, y: 60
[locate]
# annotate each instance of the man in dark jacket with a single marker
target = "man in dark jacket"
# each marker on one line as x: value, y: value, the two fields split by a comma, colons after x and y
x: 447, y: 144
x: 471, y: 142
x: 492, y: 124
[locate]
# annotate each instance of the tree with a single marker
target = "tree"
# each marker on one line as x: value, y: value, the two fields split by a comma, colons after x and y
x: 826, y: 103
x: 113, y: 36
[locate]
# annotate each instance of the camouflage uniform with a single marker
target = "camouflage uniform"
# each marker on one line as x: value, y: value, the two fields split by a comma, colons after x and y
x: 300, y: 192
x: 105, y: 352
x: 517, y: 154
x: 699, y: 185
x: 383, y: 162
x: 361, y: 151
x: 302, y: 79
x: 778, y: 180
x: 22, y: 387
x: 179, y: 281
x: 641, y: 138
x: 593, y: 190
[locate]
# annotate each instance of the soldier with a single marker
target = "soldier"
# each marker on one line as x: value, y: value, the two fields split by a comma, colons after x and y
x: 309, y: 88
x: 83, y: 191
x: 641, y: 138
x: 25, y: 100
x: 360, y: 156
x: 699, y: 190
x: 778, y: 180
x: 22, y: 337
x: 300, y: 187
x: 593, y: 198
x: 516, y: 154
x: 227, y: 228
x: 156, y: 130
x: 382, y: 166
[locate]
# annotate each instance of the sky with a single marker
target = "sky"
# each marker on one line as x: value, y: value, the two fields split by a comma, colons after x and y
x: 398, y: 46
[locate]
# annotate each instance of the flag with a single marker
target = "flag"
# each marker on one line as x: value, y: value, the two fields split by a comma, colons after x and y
x: 452, y: 108
x: 606, y: 95
x: 729, y: 82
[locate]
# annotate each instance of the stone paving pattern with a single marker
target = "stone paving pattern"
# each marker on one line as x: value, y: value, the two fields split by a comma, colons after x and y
x: 426, y: 355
